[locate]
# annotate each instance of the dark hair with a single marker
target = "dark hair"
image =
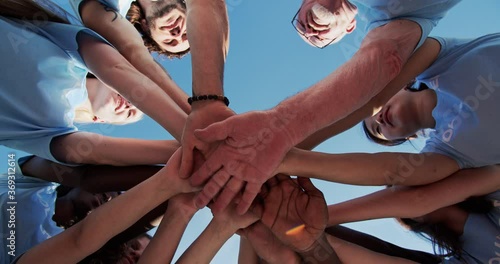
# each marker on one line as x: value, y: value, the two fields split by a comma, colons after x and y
x: 445, y: 242
x: 135, y: 15
x: 26, y: 9
x: 399, y: 141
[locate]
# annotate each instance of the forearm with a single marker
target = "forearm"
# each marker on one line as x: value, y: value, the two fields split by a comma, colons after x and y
x: 125, y: 38
x: 247, y: 254
x: 166, y: 240
x: 385, y: 168
x: 105, y: 150
x: 320, y: 252
x: 418, y: 62
x: 119, y: 74
x: 380, y: 59
x: 207, y: 24
x: 206, y: 246
x: 110, y: 219
x: 351, y: 253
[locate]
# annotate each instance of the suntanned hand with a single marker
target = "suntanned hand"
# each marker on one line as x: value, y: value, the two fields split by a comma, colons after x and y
x: 203, y: 114
x: 294, y: 210
x: 253, y: 147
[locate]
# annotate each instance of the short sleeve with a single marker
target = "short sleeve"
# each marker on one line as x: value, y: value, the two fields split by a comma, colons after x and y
x: 433, y: 145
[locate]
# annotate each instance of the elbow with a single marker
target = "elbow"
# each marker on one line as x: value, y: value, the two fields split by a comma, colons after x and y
x: 386, y: 54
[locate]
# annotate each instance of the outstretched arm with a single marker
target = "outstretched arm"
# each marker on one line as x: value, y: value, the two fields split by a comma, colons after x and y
x: 114, y: 70
x: 92, y: 148
x: 166, y: 240
x: 255, y: 143
x: 218, y: 231
x: 208, y: 27
x: 352, y: 253
x: 385, y: 168
x: 408, y: 202
x: 125, y: 38
x: 110, y: 219
x: 419, y: 61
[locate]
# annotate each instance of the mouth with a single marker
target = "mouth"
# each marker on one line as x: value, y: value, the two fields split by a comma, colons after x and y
x: 120, y: 102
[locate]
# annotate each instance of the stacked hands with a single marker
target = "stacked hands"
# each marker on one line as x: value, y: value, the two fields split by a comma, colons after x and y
x: 241, y: 151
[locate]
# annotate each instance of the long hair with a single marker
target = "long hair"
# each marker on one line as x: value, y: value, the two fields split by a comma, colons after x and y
x: 26, y: 10
x: 444, y: 241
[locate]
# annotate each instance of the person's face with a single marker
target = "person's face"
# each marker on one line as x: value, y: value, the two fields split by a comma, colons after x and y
x: 78, y: 203
x: 135, y: 249
x: 397, y: 119
x: 323, y: 22
x: 166, y: 23
x: 110, y: 107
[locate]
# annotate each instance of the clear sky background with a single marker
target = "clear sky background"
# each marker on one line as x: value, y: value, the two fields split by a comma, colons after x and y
x: 267, y: 63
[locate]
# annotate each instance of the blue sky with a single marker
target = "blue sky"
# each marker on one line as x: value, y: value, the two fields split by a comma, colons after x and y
x: 267, y: 63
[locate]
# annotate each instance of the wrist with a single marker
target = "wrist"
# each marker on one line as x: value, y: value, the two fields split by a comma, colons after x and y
x: 284, y: 119
x: 319, y: 252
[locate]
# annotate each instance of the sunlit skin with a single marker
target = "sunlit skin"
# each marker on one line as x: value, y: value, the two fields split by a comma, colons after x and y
x: 403, y: 115
x: 168, y: 31
x: 322, y: 22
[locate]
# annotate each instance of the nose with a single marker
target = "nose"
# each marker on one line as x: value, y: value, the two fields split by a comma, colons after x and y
x: 175, y: 32
x: 379, y: 118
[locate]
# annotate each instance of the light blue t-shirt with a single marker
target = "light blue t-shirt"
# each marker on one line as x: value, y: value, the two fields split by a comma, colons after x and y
x: 481, y: 237
x: 26, y: 214
x: 465, y: 77
x: 120, y: 6
x: 42, y: 84
x: 425, y: 13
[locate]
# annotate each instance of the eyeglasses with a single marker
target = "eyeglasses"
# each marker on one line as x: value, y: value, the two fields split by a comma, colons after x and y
x: 301, y: 31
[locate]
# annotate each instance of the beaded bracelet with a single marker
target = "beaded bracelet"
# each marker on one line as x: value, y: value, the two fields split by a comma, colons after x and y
x: 208, y: 97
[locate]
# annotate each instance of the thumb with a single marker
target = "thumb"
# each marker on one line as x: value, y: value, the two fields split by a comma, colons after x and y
x: 214, y: 132
x: 308, y: 186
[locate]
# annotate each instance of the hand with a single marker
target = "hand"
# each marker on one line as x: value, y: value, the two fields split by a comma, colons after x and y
x: 267, y: 246
x: 202, y: 115
x: 234, y: 221
x: 295, y: 211
x: 171, y: 171
x: 183, y: 204
x: 254, y: 146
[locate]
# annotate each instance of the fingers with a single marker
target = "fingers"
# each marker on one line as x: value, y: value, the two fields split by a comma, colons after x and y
x: 251, y: 191
x: 214, y: 132
x: 206, y: 170
x: 186, y: 162
x: 212, y: 188
x: 228, y: 194
x: 307, y: 185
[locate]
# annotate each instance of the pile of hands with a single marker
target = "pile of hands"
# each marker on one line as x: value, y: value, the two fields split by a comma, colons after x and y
x: 233, y: 161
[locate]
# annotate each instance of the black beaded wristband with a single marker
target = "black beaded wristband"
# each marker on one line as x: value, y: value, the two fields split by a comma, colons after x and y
x: 208, y: 97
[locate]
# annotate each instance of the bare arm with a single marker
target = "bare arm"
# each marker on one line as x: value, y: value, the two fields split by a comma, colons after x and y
x: 247, y: 254
x: 218, y: 231
x: 91, y: 148
x: 125, y: 38
x: 94, y: 179
x: 369, y: 169
x: 380, y: 59
x: 166, y: 240
x: 110, y: 219
x: 421, y: 59
x: 411, y: 202
x: 115, y: 71
x: 352, y: 253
